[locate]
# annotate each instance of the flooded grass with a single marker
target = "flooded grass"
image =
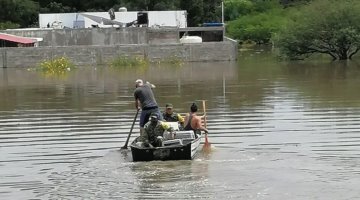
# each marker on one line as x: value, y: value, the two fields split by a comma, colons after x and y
x: 56, y: 67
x: 127, y: 61
x: 172, y: 60
x: 138, y: 61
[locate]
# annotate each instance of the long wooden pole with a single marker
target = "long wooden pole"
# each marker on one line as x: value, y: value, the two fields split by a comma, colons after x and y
x: 131, y: 129
x: 204, y: 109
x: 206, y: 146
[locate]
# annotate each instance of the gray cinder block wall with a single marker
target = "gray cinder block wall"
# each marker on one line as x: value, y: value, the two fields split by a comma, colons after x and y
x: 103, y: 55
x: 100, y: 46
x: 100, y: 36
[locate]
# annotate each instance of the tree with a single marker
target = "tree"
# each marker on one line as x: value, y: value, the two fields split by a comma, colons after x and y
x: 258, y: 27
x: 10, y: 25
x: 54, y: 7
x: 194, y: 10
x: 288, y: 3
x: 323, y: 27
x: 212, y: 11
x: 21, y: 12
x: 236, y: 8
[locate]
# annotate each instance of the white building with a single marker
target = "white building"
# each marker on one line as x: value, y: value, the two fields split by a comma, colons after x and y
x: 102, y: 19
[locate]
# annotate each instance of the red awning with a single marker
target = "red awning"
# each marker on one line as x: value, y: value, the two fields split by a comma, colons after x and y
x: 17, y: 39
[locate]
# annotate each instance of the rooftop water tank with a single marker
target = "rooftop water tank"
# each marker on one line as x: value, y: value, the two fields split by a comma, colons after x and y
x: 122, y: 9
x: 190, y: 39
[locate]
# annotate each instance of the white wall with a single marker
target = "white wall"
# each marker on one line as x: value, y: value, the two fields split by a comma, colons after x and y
x: 124, y: 17
x: 156, y: 18
x: 67, y: 19
x: 167, y: 18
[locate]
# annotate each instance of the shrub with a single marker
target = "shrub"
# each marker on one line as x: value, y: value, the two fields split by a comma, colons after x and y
x: 257, y: 27
x: 56, y: 66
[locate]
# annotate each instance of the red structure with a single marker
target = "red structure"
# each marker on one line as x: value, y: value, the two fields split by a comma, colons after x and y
x: 7, y: 40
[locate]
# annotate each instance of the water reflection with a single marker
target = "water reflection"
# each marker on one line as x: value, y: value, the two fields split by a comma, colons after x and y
x: 279, y: 130
x: 171, y: 180
x: 115, y: 176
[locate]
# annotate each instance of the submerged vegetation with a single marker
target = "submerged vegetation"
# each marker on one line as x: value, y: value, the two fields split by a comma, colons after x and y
x: 139, y: 61
x: 172, y: 60
x: 128, y: 61
x: 323, y: 27
x: 56, y: 67
x: 299, y: 28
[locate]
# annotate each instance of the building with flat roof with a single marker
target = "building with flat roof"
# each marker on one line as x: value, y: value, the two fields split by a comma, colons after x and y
x: 122, y: 19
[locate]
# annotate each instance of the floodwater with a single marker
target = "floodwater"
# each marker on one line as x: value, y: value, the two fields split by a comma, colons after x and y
x: 278, y: 131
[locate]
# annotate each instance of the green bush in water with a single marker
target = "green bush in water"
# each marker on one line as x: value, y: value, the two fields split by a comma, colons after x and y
x: 56, y: 66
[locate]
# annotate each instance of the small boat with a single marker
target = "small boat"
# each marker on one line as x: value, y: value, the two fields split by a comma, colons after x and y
x: 183, y: 147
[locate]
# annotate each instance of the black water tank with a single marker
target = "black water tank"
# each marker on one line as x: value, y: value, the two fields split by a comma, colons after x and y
x: 142, y: 18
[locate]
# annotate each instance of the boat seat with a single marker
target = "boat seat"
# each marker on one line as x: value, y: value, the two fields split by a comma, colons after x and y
x: 172, y: 142
x: 184, y: 135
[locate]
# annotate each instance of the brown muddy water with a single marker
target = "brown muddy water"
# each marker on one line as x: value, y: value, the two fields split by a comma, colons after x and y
x: 278, y: 131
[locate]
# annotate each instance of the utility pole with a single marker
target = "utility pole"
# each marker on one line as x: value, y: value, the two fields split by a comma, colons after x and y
x: 222, y: 18
x: 222, y: 11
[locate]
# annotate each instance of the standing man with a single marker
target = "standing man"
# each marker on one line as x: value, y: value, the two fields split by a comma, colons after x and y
x: 145, y: 100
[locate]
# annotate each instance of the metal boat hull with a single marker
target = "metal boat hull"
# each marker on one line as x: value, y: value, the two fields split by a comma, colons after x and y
x: 175, y: 152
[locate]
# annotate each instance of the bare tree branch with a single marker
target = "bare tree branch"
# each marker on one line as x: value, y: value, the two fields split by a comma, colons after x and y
x: 353, y: 53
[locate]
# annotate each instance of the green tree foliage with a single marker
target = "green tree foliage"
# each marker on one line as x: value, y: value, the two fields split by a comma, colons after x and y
x: 236, y: 8
x: 54, y: 7
x: 257, y: 26
x: 212, y: 11
x: 8, y: 25
x: 288, y: 3
x: 325, y: 26
x: 195, y: 11
x: 21, y: 12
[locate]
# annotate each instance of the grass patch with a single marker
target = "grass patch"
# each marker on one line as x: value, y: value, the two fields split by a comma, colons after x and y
x: 56, y: 66
x: 126, y: 61
x: 172, y: 60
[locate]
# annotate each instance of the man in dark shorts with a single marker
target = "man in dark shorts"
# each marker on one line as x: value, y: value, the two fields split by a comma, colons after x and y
x: 145, y: 100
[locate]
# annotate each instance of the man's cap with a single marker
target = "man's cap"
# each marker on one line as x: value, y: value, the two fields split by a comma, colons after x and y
x: 154, y: 116
x: 139, y: 81
x: 168, y: 105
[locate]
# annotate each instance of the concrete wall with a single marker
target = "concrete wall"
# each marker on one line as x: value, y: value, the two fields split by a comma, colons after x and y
x: 93, y: 36
x: 100, y: 36
x: 162, y: 36
x: 100, y: 55
x: 112, y: 36
x: 3, y: 57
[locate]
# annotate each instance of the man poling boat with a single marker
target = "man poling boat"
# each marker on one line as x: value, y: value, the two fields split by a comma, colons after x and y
x: 162, y: 140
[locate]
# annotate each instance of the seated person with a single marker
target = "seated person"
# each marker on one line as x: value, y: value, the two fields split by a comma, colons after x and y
x: 170, y: 116
x: 193, y: 122
x: 152, y: 130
